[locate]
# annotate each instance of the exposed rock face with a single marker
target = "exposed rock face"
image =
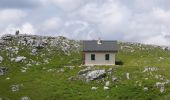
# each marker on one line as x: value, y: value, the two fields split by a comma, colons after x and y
x: 39, y: 42
x: 3, y: 70
x: 7, y: 37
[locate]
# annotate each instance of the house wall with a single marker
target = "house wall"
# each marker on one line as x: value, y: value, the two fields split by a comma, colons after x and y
x: 99, y: 58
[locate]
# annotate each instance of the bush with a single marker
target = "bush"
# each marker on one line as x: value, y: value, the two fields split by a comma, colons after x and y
x: 118, y: 62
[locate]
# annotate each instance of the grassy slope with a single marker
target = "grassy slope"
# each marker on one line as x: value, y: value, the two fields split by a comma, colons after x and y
x: 39, y: 84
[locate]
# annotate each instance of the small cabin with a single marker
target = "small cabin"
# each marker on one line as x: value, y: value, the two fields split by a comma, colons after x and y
x: 99, y: 52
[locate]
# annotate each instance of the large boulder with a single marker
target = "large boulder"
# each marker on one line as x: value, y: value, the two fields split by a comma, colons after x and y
x: 96, y: 74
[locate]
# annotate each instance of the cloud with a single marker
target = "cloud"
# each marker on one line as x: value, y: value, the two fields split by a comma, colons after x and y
x: 109, y: 16
x: 77, y: 29
x: 53, y: 23
x: 11, y: 15
x: 124, y: 20
x: 26, y: 28
x: 67, y: 5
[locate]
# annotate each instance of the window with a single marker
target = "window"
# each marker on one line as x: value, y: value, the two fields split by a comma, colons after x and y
x: 107, y: 57
x: 92, y: 56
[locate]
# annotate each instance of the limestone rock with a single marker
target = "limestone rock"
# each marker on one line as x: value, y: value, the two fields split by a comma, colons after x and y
x: 96, y: 74
x: 3, y: 70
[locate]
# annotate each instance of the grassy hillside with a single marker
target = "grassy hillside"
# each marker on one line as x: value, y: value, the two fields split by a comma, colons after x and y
x: 46, y: 75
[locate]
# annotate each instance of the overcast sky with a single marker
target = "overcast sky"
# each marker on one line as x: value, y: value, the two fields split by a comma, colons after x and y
x: 146, y: 21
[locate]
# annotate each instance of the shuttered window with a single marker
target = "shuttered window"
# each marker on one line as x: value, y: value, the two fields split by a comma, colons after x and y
x: 107, y: 57
x: 92, y: 56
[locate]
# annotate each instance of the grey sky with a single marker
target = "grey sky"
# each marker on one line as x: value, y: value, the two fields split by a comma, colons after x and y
x: 145, y: 21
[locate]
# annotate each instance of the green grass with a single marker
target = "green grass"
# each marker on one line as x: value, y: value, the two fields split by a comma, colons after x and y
x: 39, y: 84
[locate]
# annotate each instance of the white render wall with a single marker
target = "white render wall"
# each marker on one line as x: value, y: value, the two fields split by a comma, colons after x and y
x: 99, y: 58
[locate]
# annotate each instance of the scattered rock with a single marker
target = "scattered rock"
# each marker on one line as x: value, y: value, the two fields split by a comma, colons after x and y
x: 145, y: 89
x: 51, y: 70
x: 34, y: 51
x: 25, y: 98
x: 71, y: 78
x: 1, y: 59
x: 150, y: 69
x: 161, y: 86
x: 15, y: 88
x: 84, y: 71
x: 127, y: 76
x: 20, y: 58
x: 107, y: 84
x: 28, y: 65
x: 3, y: 70
x: 94, y: 88
x: 106, y: 88
x: 60, y: 70
x: 7, y: 78
x: 114, y: 78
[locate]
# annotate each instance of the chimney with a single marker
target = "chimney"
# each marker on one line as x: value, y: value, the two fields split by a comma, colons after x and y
x: 99, y: 41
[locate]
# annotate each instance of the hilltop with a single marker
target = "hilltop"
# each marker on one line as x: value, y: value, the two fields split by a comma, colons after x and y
x: 49, y: 68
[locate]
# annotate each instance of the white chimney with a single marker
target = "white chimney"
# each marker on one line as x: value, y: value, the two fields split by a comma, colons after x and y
x: 99, y: 41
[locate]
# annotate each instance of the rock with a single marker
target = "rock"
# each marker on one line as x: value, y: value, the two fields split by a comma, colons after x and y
x: 3, y: 70
x: 161, y: 86
x: 23, y: 70
x: 60, y: 70
x: 51, y: 70
x: 114, y: 78
x: 94, y: 88
x: 96, y: 74
x: 106, y: 88
x: 162, y: 89
x: 20, y: 58
x: 39, y: 44
x: 46, y: 61
x: 84, y: 71
x: 127, y: 76
x: 7, y: 37
x: 71, y: 78
x: 15, y: 88
x: 28, y: 65
x: 147, y: 69
x: 25, y: 98
x: 145, y: 89
x: 34, y: 51
x: 1, y: 59
x: 107, y: 84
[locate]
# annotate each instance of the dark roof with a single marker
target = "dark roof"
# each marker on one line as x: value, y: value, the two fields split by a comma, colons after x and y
x: 105, y: 46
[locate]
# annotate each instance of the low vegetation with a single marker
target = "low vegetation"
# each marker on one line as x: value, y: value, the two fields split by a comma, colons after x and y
x: 51, y: 66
